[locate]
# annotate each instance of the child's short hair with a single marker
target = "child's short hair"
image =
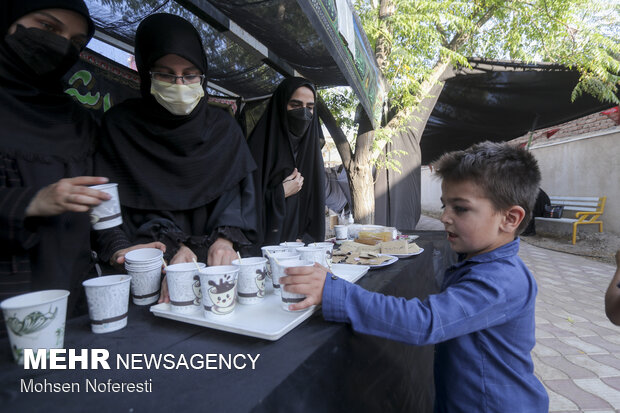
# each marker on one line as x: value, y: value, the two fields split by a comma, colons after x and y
x: 507, y: 174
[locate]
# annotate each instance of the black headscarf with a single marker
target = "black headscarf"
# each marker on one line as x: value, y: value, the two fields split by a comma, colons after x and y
x: 271, y: 144
x: 48, y: 122
x: 163, y: 161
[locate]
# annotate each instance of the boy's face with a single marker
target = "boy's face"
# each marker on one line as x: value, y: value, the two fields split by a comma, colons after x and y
x: 473, y: 225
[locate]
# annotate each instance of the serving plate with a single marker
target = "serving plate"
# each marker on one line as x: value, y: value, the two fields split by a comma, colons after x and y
x: 409, y: 255
x: 266, y: 320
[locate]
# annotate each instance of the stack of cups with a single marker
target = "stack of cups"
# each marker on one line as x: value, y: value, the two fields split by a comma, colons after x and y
x: 287, y: 296
x: 144, y: 266
x: 277, y: 271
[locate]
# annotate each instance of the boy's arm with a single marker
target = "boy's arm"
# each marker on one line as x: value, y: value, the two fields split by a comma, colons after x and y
x: 612, y: 297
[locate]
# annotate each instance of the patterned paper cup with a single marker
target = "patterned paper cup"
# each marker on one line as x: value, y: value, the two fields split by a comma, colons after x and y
x: 145, y: 285
x: 277, y: 270
x: 314, y: 254
x: 108, y: 213
x: 289, y: 297
x: 292, y: 246
x: 184, y: 287
x: 219, y: 289
x: 271, y: 249
x: 35, y: 321
x: 108, y: 302
x: 251, y: 281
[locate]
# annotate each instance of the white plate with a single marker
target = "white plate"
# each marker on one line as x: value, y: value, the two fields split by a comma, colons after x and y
x: 409, y: 255
x: 391, y: 261
x: 265, y: 320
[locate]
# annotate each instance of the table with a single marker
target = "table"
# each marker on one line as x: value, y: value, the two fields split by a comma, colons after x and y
x: 317, y: 367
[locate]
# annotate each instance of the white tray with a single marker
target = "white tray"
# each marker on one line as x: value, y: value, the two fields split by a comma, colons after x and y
x: 265, y: 320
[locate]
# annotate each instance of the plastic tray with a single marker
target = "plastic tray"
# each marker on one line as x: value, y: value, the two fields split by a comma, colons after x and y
x: 267, y: 320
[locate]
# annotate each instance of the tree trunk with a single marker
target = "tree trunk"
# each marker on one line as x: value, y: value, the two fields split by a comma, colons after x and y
x: 361, y: 184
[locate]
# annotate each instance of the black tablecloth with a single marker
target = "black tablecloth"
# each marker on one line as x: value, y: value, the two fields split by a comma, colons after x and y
x: 317, y: 367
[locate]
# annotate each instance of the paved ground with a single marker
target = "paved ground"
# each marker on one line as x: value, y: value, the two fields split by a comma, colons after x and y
x: 577, y: 353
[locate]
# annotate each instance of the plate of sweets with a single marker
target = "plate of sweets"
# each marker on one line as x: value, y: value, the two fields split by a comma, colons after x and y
x: 369, y: 258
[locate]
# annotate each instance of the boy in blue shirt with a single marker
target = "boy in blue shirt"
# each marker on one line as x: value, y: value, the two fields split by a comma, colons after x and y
x: 482, y: 321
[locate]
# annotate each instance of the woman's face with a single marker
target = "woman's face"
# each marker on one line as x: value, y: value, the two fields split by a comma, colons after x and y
x: 65, y: 23
x: 303, y: 97
x: 173, y: 64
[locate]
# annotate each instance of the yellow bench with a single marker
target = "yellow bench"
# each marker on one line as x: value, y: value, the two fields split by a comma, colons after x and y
x: 588, y: 211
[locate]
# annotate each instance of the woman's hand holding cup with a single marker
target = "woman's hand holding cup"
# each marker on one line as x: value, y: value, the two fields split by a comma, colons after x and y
x: 67, y: 195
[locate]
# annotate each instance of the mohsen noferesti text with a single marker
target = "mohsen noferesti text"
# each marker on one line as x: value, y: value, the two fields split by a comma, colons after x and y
x: 89, y: 386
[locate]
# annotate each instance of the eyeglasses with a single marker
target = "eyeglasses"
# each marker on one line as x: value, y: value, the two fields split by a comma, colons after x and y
x: 170, y: 78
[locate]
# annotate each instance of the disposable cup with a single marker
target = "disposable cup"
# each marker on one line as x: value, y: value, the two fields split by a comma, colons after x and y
x: 251, y: 280
x: 145, y: 284
x: 287, y: 296
x: 219, y: 289
x: 35, y: 321
x: 144, y: 256
x: 276, y: 269
x: 342, y: 232
x: 292, y: 246
x: 271, y: 249
x: 328, y: 247
x: 108, y: 302
x: 108, y: 213
x: 184, y: 287
x: 314, y: 254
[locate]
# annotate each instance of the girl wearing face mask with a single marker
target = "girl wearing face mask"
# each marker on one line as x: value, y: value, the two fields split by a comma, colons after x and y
x: 46, y: 143
x: 290, y: 175
x: 183, y: 167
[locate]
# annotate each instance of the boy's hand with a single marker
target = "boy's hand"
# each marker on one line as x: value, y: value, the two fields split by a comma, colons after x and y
x: 305, y: 280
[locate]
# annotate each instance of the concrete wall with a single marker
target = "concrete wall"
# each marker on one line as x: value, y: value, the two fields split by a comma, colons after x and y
x: 585, y: 165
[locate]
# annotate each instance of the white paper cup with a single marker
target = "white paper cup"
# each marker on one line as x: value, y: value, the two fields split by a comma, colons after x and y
x: 342, y: 232
x: 328, y: 247
x: 271, y: 249
x: 108, y: 213
x: 251, y: 280
x: 287, y: 296
x: 108, y: 302
x: 144, y: 256
x: 184, y: 287
x: 314, y: 254
x: 219, y: 289
x: 276, y: 269
x: 35, y: 321
x: 292, y: 246
x: 145, y: 285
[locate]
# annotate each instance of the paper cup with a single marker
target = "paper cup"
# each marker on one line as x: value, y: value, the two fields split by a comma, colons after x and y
x: 251, y: 280
x: 219, y: 289
x: 276, y: 269
x: 289, y: 297
x: 108, y: 302
x: 292, y: 246
x: 314, y: 254
x: 342, y: 232
x: 35, y: 321
x: 144, y: 257
x: 184, y: 287
x: 271, y: 249
x: 328, y: 247
x: 108, y: 213
x: 145, y: 285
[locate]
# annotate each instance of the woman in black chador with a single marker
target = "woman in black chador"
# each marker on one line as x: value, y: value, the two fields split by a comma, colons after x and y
x: 290, y: 177
x: 46, y: 143
x: 183, y: 168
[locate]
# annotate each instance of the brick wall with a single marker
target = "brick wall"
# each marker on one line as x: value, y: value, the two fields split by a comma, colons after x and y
x: 603, y: 120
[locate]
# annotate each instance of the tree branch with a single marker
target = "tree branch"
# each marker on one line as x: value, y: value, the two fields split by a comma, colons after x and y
x: 340, y: 139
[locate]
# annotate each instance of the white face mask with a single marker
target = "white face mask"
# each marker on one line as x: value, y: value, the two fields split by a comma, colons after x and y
x: 177, y: 99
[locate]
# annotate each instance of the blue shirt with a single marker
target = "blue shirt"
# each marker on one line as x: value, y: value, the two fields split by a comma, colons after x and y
x: 482, y: 323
